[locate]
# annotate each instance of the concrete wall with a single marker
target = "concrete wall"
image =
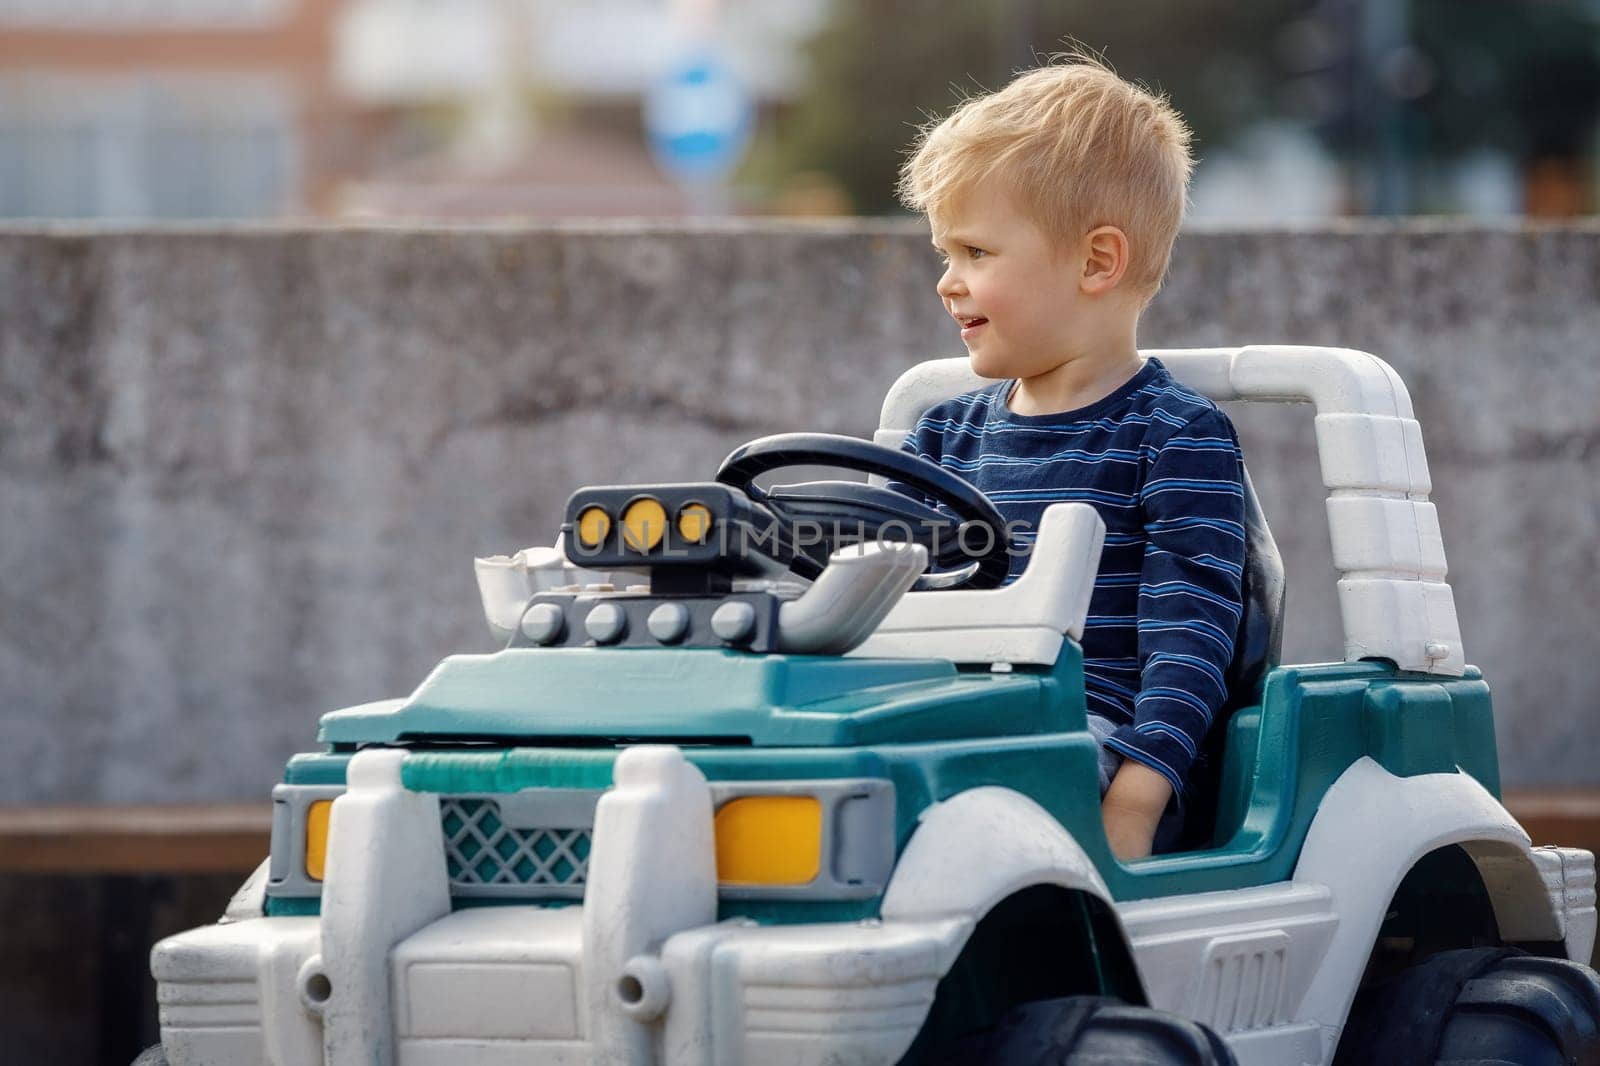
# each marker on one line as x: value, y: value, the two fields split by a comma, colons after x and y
x: 243, y: 474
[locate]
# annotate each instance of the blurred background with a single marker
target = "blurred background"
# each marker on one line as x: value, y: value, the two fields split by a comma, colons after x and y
x: 459, y: 110
x: 304, y: 303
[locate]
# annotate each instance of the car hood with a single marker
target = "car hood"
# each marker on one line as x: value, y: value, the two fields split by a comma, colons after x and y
x: 570, y: 695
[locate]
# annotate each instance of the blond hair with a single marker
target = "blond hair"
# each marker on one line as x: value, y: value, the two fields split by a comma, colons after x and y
x: 1078, y: 146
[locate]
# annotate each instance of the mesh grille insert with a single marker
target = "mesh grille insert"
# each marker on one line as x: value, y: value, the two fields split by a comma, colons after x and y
x: 485, y: 856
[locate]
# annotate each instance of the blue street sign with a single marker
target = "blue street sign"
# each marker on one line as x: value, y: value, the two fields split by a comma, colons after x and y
x: 698, y: 118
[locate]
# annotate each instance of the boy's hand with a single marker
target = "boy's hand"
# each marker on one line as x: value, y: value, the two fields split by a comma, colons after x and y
x: 1132, y: 807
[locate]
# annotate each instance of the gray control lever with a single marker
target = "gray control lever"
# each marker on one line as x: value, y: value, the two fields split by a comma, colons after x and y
x: 855, y: 592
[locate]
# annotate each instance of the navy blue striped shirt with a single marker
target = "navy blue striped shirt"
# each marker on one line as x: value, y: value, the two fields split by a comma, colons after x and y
x: 1162, y: 466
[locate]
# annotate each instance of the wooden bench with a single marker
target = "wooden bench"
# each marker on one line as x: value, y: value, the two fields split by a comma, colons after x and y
x: 102, y: 841
x: 234, y: 838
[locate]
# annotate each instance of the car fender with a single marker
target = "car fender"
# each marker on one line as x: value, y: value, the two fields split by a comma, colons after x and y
x: 979, y: 847
x: 1370, y: 829
x: 250, y: 901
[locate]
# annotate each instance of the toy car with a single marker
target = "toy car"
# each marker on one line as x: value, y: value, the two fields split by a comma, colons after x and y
x: 734, y: 793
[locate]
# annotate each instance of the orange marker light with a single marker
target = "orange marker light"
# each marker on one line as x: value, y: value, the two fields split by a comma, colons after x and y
x: 317, y: 837
x: 769, y: 840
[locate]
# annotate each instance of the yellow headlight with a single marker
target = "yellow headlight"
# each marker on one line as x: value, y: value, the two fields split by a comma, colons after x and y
x: 644, y: 523
x: 317, y: 837
x: 769, y: 840
x: 694, y: 523
x: 593, y: 527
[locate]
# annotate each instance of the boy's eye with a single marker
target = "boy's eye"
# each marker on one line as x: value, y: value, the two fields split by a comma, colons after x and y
x: 968, y: 250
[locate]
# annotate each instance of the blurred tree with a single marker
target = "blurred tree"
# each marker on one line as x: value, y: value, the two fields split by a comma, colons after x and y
x: 1517, y: 76
x: 1396, y: 81
x: 1381, y: 81
x: 880, y: 68
x: 1522, y: 77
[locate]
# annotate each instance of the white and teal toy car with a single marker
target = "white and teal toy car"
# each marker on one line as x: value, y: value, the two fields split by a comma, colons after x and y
x: 735, y: 792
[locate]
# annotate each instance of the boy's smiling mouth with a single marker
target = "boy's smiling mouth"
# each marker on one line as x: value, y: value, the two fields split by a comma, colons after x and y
x: 970, y: 323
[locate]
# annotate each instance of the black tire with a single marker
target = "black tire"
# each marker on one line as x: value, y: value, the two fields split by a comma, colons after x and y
x: 1478, y: 1006
x: 152, y: 1056
x: 1090, y: 1031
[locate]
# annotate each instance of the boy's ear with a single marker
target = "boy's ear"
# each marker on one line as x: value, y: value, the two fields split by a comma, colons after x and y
x: 1105, y: 260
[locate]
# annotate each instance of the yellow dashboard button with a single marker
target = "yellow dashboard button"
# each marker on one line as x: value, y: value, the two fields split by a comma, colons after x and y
x: 694, y: 523
x: 594, y: 525
x: 644, y: 523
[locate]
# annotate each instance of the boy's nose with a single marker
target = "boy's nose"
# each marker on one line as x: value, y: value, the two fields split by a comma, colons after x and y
x: 950, y: 285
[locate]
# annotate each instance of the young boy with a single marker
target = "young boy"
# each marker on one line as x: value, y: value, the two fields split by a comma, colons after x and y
x: 1054, y: 203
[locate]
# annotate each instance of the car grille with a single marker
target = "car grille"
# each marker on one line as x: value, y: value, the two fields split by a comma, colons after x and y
x: 486, y: 857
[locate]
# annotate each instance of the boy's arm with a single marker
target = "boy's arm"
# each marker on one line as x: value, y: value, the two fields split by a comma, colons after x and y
x: 925, y: 441
x: 1189, y: 595
x: 1132, y: 809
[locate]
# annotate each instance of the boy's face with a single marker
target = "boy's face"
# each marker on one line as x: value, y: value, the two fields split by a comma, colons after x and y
x: 1013, y: 290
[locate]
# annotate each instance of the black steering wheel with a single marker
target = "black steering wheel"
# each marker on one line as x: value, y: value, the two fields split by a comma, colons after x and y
x: 974, y: 553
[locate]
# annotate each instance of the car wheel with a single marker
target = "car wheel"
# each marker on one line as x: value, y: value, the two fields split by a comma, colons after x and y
x: 1478, y: 1005
x: 1090, y: 1031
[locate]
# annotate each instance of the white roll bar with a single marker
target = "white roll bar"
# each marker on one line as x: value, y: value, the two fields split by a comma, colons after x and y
x: 1393, y: 597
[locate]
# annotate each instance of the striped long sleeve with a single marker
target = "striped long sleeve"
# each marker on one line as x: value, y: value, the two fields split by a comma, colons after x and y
x: 1161, y: 465
x: 1192, y: 507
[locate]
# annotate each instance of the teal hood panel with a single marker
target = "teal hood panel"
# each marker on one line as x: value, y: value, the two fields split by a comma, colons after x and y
x: 722, y: 697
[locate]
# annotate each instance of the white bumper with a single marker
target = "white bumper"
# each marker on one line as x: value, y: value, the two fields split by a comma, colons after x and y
x: 640, y: 973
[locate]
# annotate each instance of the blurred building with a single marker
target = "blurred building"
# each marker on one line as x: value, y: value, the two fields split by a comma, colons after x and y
x: 532, y: 107
x: 450, y: 109
x: 476, y: 109
x: 166, y: 109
